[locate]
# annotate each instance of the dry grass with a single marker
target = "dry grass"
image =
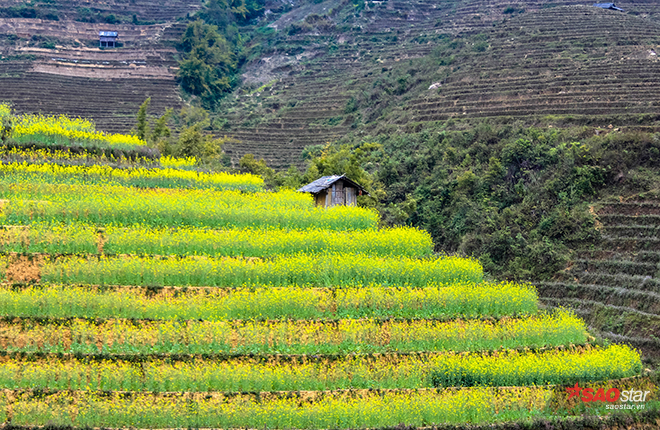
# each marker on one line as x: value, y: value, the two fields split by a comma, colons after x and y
x: 22, y: 269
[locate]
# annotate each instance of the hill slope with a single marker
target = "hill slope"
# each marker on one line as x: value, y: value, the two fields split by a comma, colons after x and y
x: 614, y: 285
x: 319, y: 72
x: 326, y: 65
x: 55, y: 66
x: 333, y: 74
x: 171, y: 297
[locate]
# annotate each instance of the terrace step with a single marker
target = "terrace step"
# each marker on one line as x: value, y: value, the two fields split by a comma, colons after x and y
x: 92, y: 97
x: 627, y: 267
x: 641, y: 301
x: 615, y: 222
x: 616, y: 287
x: 634, y: 209
x: 630, y: 244
x: 607, y: 253
x: 620, y: 280
x: 619, y: 324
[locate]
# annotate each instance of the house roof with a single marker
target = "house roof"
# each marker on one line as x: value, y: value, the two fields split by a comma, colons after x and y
x: 326, y: 182
x: 108, y: 33
x: 608, y: 6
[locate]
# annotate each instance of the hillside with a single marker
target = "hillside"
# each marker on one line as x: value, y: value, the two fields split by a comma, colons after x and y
x: 90, y: 11
x: 336, y: 74
x: 614, y: 284
x: 150, y: 293
x: 318, y: 71
x: 55, y: 65
x: 448, y: 92
x: 510, y: 149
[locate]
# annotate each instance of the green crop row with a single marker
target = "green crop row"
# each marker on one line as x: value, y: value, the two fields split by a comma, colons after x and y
x: 384, y: 372
x: 456, y: 300
x: 291, y: 337
x: 54, y: 173
x: 85, y: 238
x: 298, y: 270
x: 103, y: 194
x: 57, y: 130
x: 116, y: 205
x: 342, y: 411
x: 12, y: 152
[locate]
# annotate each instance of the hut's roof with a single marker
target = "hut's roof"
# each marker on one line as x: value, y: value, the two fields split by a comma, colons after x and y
x: 103, y: 33
x: 608, y: 6
x: 326, y: 182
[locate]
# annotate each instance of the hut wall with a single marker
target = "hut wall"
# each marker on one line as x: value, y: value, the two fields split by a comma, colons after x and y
x: 351, y: 196
x: 323, y: 198
x: 339, y: 193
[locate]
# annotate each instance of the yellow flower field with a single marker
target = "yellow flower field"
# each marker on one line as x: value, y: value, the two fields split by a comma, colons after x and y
x: 138, y: 176
x: 142, y: 292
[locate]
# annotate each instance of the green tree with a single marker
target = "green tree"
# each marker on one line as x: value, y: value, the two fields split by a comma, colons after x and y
x: 191, y: 142
x: 194, y: 142
x: 161, y: 130
x: 142, y: 122
x: 210, y: 63
x: 223, y: 13
x: 6, y: 128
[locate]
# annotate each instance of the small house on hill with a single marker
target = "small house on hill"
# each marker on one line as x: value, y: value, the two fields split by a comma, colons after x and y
x: 108, y: 39
x: 610, y: 6
x: 334, y: 190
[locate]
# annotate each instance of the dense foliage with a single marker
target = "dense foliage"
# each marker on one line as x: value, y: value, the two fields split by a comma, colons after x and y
x: 515, y: 197
x: 212, y: 48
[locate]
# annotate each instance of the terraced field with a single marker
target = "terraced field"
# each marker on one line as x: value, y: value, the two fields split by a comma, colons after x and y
x: 566, y: 60
x: 209, y: 302
x: 46, y: 62
x: 615, y: 286
x: 580, y: 61
x: 537, y: 59
x: 146, y: 10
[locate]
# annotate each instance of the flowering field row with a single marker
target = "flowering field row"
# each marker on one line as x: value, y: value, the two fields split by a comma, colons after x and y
x: 106, y: 204
x: 54, y: 173
x: 16, y: 153
x: 299, y: 270
x: 291, y: 337
x: 341, y: 411
x: 142, y: 240
x: 56, y: 130
x: 12, y: 188
x: 457, y: 300
x: 384, y: 372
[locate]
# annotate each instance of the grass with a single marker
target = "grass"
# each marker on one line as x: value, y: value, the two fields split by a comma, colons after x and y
x: 379, y: 372
x: 456, y: 300
x: 292, y: 337
x: 143, y: 240
x: 298, y: 270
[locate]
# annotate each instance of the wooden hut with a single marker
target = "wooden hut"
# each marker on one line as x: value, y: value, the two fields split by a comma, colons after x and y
x: 108, y: 39
x: 334, y: 190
